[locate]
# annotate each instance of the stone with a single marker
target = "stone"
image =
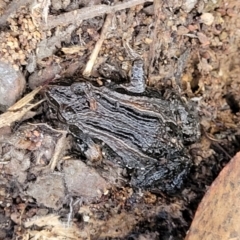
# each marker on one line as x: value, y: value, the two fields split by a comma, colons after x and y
x: 82, y: 180
x: 48, y: 190
x: 217, y: 216
x: 12, y: 85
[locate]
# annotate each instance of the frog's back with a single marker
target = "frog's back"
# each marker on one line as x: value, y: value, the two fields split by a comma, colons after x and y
x: 146, y: 131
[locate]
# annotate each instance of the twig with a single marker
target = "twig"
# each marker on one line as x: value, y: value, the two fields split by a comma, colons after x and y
x: 87, y: 13
x: 45, y: 5
x: 70, y: 212
x: 98, y: 46
x: 19, y: 109
x: 181, y: 64
x: 157, y: 15
x: 25, y: 100
x: 130, y: 52
x: 60, y: 144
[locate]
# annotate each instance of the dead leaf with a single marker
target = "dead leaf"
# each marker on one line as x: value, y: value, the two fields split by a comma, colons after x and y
x: 217, y: 216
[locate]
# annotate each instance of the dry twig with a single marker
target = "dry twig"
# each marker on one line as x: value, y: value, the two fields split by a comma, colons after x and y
x: 60, y: 144
x: 87, y: 13
x: 157, y: 9
x: 45, y: 5
x: 98, y: 46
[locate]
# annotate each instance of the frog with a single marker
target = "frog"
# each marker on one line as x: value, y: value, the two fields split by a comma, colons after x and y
x: 148, y: 131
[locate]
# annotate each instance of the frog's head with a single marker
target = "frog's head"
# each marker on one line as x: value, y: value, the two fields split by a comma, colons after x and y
x: 67, y: 101
x: 56, y: 98
x: 57, y: 95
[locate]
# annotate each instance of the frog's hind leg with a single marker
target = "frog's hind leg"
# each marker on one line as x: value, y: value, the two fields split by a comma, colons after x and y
x: 137, y: 80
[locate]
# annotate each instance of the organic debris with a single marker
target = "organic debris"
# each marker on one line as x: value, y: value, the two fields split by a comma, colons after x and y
x: 189, y: 46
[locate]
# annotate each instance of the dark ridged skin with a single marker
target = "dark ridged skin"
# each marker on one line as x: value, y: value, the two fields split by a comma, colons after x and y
x: 145, y: 130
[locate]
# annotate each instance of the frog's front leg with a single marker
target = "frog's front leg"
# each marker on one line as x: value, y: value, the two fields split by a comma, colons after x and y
x: 137, y: 81
x: 86, y: 145
x: 89, y: 149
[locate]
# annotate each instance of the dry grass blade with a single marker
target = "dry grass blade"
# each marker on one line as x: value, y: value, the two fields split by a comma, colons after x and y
x: 19, y: 109
x: 157, y: 14
x: 25, y: 100
x: 98, y: 46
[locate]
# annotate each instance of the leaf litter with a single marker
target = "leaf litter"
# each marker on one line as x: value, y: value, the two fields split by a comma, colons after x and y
x: 36, y: 191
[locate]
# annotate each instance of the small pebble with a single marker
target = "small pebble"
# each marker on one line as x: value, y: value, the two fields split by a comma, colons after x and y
x: 207, y: 18
x: 188, y: 5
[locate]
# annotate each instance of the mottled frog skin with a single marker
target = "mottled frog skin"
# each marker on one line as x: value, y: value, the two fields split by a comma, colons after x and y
x: 147, y: 131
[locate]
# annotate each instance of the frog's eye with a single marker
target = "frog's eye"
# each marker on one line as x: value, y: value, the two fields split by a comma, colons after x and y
x: 79, y: 88
x: 52, y: 101
x: 67, y: 109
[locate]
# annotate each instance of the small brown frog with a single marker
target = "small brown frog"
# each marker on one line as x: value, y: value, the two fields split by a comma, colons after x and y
x: 147, y: 131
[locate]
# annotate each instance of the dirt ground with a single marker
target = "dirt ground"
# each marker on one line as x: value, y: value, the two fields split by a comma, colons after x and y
x: 190, y: 46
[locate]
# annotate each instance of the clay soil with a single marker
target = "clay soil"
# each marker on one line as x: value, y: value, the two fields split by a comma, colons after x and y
x: 192, y: 47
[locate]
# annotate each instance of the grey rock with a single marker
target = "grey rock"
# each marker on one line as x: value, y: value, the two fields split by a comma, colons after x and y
x: 48, y: 190
x: 188, y: 5
x: 18, y: 165
x: 12, y: 85
x: 83, y: 181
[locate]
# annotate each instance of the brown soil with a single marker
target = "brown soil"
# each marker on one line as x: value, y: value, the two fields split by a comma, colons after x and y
x: 194, y: 50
